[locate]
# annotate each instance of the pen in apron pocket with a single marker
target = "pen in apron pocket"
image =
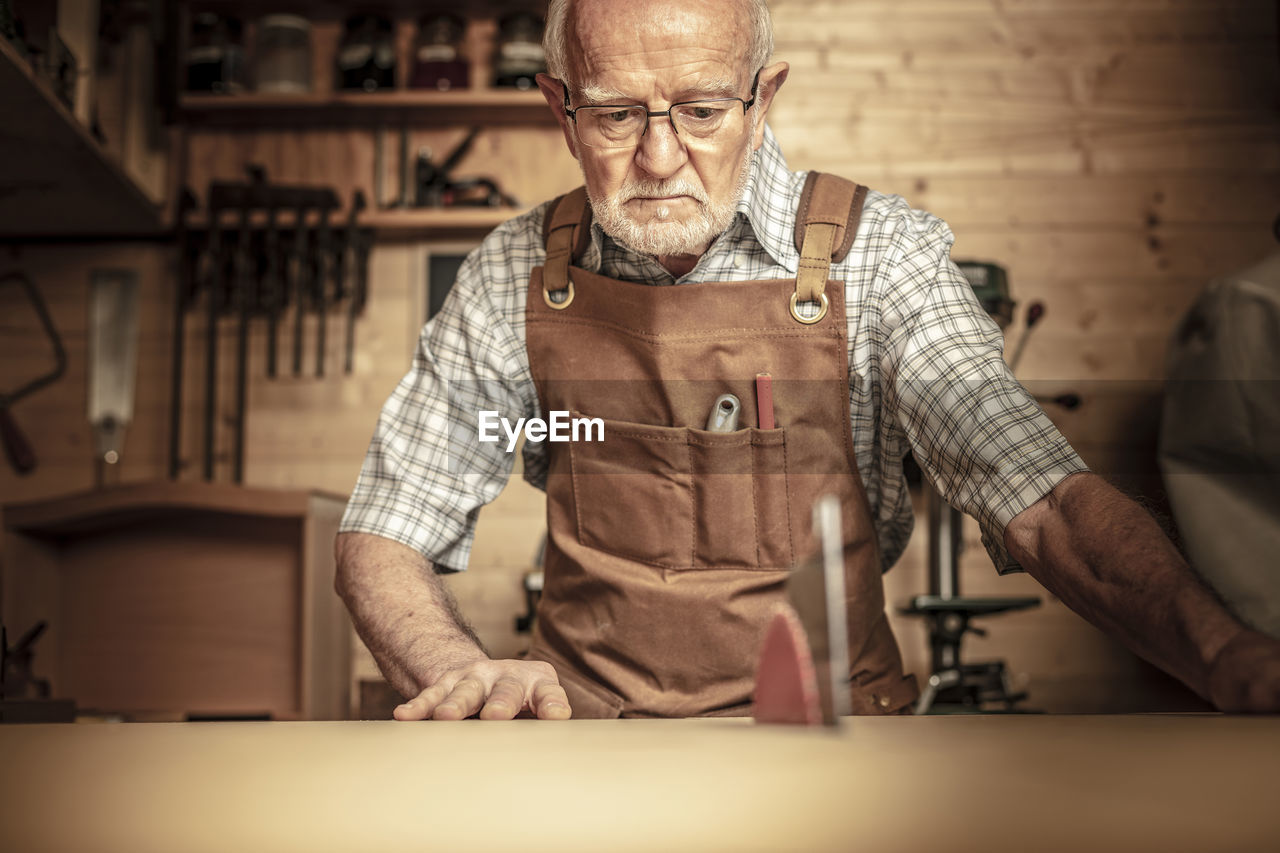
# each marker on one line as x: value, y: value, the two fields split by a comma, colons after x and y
x: 764, y: 400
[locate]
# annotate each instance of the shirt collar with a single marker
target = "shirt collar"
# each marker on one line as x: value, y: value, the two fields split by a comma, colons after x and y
x: 769, y: 202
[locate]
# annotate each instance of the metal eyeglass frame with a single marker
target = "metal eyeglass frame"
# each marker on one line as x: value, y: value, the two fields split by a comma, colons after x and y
x: 650, y: 114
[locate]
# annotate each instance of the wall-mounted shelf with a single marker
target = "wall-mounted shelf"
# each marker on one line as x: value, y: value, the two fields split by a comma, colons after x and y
x: 55, y: 179
x: 392, y: 223
x: 471, y: 106
x: 334, y: 130
x: 439, y: 221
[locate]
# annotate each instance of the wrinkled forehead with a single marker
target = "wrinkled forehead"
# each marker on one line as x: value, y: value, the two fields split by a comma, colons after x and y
x: 657, y: 35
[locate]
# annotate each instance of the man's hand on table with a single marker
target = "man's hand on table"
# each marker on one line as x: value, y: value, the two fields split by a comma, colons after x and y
x: 497, y: 689
x: 1246, y: 674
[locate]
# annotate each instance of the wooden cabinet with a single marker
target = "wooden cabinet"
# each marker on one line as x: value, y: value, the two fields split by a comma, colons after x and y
x: 174, y: 599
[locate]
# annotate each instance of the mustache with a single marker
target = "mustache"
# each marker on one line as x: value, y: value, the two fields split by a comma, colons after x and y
x: 669, y: 187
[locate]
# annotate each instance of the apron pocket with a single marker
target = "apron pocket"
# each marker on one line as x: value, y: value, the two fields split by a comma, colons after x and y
x: 632, y: 493
x: 740, y: 505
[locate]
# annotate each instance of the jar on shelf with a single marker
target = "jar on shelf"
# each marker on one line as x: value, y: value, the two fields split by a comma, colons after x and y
x: 519, y: 55
x: 438, y: 60
x: 282, y: 55
x: 215, y: 54
x: 367, y: 56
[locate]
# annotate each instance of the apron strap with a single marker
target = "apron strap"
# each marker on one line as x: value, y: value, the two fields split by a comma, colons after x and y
x: 826, y: 223
x: 566, y: 231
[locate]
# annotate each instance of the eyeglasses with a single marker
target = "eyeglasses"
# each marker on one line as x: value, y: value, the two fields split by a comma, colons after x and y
x: 709, y: 120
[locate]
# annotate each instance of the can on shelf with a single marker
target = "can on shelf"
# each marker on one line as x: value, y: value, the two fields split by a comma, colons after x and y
x: 282, y: 55
x: 519, y: 55
x: 438, y: 60
x: 366, y: 59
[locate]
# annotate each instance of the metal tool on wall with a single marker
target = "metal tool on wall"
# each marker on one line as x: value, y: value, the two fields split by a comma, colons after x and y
x: 113, y: 360
x: 402, y: 199
x: 211, y: 287
x: 243, y: 301
x: 273, y: 276
x: 16, y: 446
x: 24, y: 696
x: 353, y: 263
x: 300, y: 278
x: 274, y: 286
x: 324, y: 269
x: 253, y: 263
x: 435, y: 185
x: 18, y: 679
x: 426, y: 183
x: 184, y: 295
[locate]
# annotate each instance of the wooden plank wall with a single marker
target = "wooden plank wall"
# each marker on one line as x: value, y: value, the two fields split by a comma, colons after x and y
x: 1113, y: 156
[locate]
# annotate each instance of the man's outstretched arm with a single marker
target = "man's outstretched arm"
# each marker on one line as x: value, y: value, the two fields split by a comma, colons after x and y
x: 1109, y: 561
x: 406, y: 617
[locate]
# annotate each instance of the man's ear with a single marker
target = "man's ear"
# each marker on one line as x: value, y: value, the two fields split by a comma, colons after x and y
x: 771, y: 80
x: 553, y: 91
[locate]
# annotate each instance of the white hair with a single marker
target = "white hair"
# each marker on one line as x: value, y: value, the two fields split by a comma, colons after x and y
x: 555, y: 38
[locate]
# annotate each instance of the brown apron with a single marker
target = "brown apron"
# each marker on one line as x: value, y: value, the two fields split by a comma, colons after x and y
x: 668, y: 545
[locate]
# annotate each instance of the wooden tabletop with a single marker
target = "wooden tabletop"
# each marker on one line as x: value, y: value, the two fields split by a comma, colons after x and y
x: 1045, y: 783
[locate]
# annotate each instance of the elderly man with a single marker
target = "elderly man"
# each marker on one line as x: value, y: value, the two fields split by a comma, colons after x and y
x: 693, y: 262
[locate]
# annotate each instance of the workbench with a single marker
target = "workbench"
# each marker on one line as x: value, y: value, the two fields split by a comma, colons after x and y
x: 959, y: 783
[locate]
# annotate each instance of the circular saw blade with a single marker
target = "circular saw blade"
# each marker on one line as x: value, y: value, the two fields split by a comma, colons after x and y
x: 786, y: 680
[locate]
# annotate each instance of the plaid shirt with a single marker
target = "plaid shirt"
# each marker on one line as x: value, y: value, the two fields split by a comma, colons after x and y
x: 927, y: 361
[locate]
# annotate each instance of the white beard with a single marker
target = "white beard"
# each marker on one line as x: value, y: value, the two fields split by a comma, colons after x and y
x: 661, y: 236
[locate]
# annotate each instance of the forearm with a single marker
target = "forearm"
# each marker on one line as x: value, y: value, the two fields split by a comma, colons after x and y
x: 402, y: 611
x: 1109, y: 561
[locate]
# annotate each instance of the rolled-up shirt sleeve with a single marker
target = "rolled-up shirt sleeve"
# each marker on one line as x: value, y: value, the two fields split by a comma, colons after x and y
x: 978, y: 435
x: 426, y: 474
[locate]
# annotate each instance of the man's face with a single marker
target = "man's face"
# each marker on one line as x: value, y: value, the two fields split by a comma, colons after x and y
x: 667, y: 196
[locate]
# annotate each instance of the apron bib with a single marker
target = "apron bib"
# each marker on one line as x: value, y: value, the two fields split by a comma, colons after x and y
x: 669, y: 545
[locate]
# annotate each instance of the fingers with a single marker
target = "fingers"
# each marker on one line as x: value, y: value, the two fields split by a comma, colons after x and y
x: 505, y: 700
x: 1245, y: 675
x: 550, y: 701
x: 421, y: 706
x: 464, y: 700
x: 495, y: 690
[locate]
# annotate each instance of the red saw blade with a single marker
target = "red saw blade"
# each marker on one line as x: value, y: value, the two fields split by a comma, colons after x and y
x: 786, y: 681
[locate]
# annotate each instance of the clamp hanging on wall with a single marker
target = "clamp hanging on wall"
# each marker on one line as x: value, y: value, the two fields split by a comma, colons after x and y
x: 267, y: 252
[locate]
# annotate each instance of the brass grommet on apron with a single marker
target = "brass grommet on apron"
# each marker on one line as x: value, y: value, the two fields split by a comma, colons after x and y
x: 824, y: 304
x: 568, y: 291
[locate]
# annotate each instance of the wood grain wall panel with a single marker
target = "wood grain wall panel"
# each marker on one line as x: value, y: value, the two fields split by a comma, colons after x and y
x: 875, y: 143
x: 982, y: 25
x: 1181, y: 250
x: 1089, y: 202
